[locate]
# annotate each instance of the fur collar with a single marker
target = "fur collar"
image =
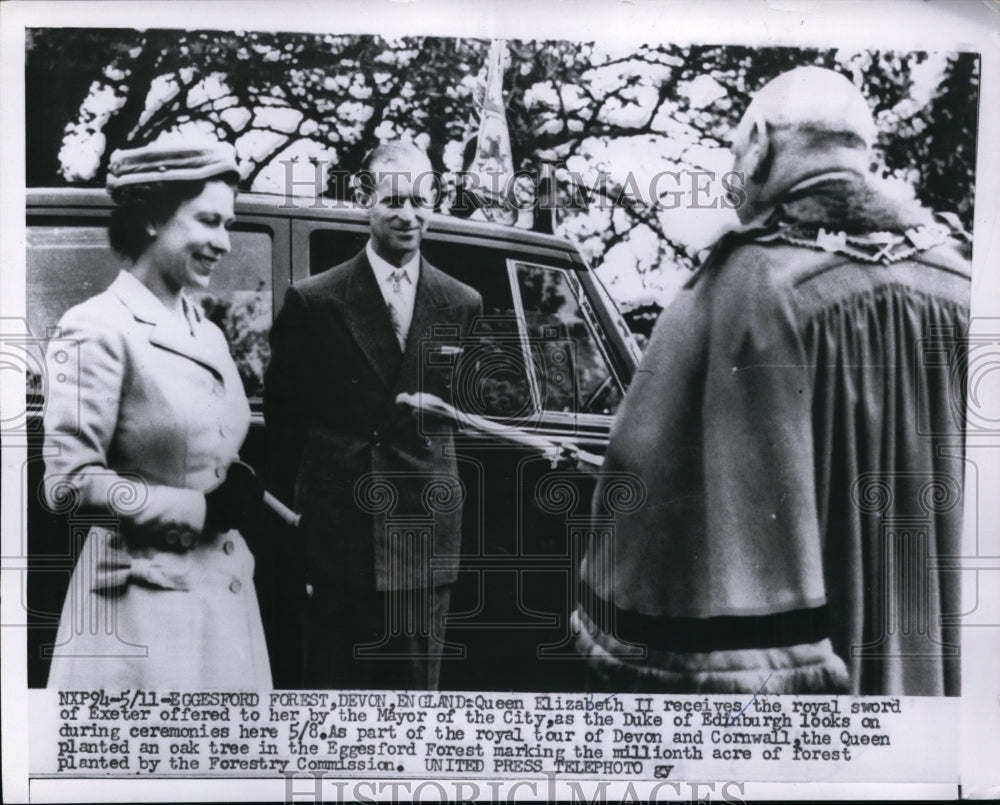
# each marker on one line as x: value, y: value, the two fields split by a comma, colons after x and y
x: 847, y: 203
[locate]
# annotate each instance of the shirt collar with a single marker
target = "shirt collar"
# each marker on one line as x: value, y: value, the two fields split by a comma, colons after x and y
x: 383, y: 268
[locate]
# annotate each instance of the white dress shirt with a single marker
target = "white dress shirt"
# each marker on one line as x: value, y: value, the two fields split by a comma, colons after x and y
x: 402, y: 300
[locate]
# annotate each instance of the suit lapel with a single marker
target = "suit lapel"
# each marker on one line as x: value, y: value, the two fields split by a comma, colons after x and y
x: 367, y: 318
x: 167, y: 332
x: 429, y: 308
x: 171, y: 336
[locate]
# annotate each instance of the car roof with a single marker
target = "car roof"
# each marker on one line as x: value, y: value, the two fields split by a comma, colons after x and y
x: 305, y: 208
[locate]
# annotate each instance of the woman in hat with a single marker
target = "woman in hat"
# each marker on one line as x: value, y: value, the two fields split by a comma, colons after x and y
x: 142, y: 432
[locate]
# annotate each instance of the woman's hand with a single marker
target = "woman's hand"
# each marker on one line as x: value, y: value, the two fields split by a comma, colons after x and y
x: 236, y: 503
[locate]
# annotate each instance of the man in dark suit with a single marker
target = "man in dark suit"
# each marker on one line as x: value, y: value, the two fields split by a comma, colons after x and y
x: 377, y: 487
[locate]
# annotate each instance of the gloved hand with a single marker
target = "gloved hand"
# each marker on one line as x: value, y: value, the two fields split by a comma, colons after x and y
x: 236, y: 502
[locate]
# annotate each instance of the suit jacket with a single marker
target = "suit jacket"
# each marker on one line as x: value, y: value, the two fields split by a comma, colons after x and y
x: 378, y: 487
x: 143, y: 415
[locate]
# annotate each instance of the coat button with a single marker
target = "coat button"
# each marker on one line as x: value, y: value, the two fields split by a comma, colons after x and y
x: 236, y: 586
x: 427, y: 441
x: 173, y: 536
x: 228, y: 546
x: 187, y: 539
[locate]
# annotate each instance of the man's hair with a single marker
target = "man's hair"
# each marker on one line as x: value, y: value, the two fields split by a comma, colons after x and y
x: 815, y: 101
x: 394, y: 152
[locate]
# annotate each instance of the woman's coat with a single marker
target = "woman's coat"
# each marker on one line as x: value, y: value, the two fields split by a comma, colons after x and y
x: 144, y: 413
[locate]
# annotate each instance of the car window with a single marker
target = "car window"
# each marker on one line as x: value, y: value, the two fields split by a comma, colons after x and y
x: 574, y: 373
x: 239, y: 301
x: 498, y: 378
x: 331, y: 247
x: 69, y: 262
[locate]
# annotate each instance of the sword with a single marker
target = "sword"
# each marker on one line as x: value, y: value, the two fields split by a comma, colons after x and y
x: 555, y: 449
x: 286, y: 515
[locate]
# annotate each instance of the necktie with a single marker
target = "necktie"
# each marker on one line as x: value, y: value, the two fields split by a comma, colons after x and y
x: 397, y: 326
x: 396, y: 278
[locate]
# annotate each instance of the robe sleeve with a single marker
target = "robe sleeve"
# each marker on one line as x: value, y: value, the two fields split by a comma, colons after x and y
x: 762, y: 527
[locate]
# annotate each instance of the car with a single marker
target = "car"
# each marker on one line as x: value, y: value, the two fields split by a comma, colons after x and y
x: 555, y: 358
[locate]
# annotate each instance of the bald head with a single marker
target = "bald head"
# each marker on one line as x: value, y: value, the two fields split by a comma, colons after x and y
x: 804, y: 123
x: 811, y: 98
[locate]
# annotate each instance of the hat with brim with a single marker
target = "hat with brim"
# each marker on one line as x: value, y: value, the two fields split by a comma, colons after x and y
x: 170, y: 163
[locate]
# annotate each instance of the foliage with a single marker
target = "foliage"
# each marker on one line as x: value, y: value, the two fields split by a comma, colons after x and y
x: 608, y: 120
x: 245, y: 320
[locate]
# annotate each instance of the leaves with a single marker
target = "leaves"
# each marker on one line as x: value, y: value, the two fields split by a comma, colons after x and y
x: 613, y: 120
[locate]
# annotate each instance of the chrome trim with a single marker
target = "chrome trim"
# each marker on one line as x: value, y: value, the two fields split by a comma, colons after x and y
x: 522, y: 329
